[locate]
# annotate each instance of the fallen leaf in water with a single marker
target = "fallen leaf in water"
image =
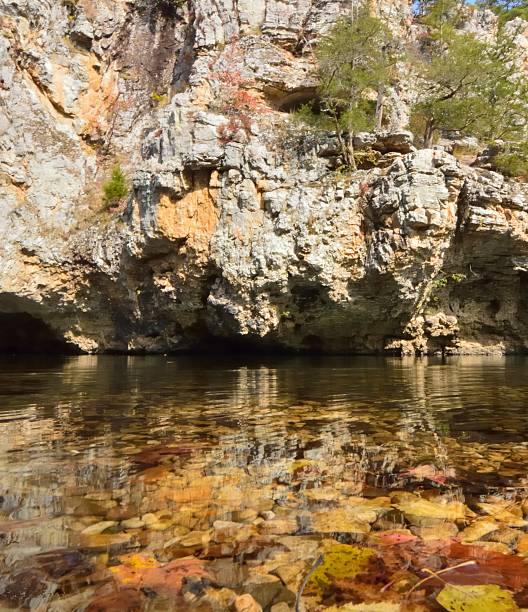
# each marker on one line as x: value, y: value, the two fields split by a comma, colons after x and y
x: 429, y: 472
x: 445, y: 530
x: 143, y: 571
x: 431, y: 554
x: 365, y: 586
x: 504, y: 513
x: 471, y: 551
x: 389, y: 538
x: 479, y: 598
x: 342, y: 520
x: 340, y: 561
x: 478, y: 530
x: 492, y: 568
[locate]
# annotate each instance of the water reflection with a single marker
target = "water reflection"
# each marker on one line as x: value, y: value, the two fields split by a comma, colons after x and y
x: 87, y: 439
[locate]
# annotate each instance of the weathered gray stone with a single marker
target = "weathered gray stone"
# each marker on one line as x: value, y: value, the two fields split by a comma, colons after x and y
x: 247, y: 230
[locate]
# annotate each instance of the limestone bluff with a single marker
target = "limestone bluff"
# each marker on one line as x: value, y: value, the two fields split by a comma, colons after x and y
x: 257, y: 240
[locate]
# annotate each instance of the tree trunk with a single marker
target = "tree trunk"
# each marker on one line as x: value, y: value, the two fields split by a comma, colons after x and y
x: 428, y: 134
x: 340, y: 138
x: 380, y: 107
x: 351, y: 156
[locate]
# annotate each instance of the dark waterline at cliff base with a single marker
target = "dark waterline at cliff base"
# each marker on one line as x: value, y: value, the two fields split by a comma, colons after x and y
x: 241, y: 465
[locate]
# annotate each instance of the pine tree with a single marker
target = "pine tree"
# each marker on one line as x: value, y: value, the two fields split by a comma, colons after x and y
x: 506, y: 9
x: 116, y: 188
x: 355, y: 62
x: 469, y: 86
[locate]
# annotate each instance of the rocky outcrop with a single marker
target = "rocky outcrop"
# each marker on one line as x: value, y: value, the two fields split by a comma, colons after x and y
x: 241, y: 227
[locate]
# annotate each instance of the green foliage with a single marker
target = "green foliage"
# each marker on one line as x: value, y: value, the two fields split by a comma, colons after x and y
x: 506, y: 9
x: 159, y: 99
x: 442, y: 282
x: 355, y: 62
x: 309, y: 115
x: 116, y: 188
x: 512, y: 160
x: 369, y: 158
x: 469, y: 86
x: 439, y: 283
x: 441, y: 16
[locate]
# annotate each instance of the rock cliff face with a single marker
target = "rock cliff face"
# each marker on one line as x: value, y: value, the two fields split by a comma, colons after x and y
x: 240, y: 227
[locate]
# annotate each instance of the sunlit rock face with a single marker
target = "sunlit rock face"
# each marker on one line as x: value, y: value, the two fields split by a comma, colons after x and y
x: 244, y: 234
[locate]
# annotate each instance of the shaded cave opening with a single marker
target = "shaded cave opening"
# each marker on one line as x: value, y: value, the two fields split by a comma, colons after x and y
x: 287, y: 102
x: 21, y: 333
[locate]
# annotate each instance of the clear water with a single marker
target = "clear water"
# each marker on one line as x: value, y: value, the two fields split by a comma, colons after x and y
x: 90, y: 439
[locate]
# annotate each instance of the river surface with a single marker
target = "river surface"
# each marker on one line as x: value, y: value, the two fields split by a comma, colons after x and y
x: 224, y: 460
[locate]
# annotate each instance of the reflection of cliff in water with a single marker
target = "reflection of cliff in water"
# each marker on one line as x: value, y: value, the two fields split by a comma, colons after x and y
x: 71, y: 429
x: 97, y: 399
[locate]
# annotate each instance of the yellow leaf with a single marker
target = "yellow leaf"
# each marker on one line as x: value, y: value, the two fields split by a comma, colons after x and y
x: 340, y: 561
x: 478, y: 530
x: 479, y: 598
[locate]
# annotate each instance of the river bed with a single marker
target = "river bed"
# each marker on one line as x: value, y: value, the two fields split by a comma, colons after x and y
x: 174, y: 483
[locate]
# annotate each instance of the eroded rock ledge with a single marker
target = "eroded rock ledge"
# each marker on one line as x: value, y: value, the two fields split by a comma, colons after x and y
x: 271, y: 248
x: 259, y: 240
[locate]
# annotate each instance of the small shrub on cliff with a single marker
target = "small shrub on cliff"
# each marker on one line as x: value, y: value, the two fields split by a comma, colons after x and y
x: 234, y: 98
x: 512, y: 161
x: 115, y: 189
x: 159, y: 99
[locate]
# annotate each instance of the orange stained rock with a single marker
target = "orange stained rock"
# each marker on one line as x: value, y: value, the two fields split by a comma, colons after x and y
x: 193, y: 217
x: 99, y: 102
